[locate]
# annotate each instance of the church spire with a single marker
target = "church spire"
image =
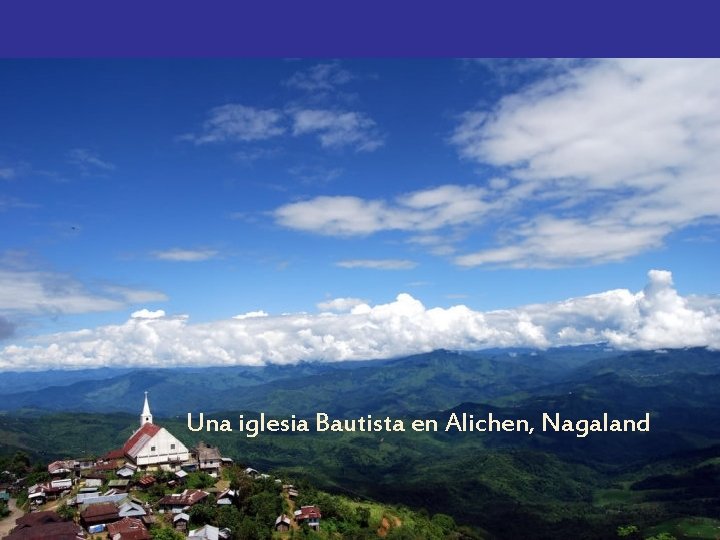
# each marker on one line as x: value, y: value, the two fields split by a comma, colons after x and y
x: 146, y: 415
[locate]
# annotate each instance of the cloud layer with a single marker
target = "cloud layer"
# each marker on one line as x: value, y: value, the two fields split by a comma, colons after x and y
x: 617, y: 149
x: 595, y: 162
x: 656, y: 317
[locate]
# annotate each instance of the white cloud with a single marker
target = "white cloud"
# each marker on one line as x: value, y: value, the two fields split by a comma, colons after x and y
x: 340, y: 305
x: 625, y: 148
x: 656, y: 317
x: 425, y: 210
x: 251, y: 315
x: 35, y: 292
x: 337, y: 128
x: 89, y: 161
x: 377, y: 264
x: 320, y: 77
x: 7, y: 173
x: 236, y: 122
x: 185, y: 255
x: 147, y: 314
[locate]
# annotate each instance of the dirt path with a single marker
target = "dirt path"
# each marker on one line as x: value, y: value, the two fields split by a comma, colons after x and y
x: 8, y: 523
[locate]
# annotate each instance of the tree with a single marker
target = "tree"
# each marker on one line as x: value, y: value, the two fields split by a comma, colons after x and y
x: 65, y: 512
x: 166, y: 534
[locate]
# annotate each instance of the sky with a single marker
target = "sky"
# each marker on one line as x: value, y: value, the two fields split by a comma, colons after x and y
x: 239, y: 211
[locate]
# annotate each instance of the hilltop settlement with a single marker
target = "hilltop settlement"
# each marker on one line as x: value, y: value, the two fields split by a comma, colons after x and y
x: 153, y: 486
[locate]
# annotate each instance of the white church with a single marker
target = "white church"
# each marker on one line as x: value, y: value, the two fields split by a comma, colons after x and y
x: 154, y: 446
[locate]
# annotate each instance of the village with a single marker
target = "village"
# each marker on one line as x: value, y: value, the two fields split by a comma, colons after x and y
x: 154, y: 487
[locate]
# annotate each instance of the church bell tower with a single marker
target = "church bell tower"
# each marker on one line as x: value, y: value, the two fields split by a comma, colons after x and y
x: 146, y: 415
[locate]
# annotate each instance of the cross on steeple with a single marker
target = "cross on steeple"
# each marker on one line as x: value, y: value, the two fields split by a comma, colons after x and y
x: 146, y: 415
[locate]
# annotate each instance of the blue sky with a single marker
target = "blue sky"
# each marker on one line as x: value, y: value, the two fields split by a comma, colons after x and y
x: 212, y: 188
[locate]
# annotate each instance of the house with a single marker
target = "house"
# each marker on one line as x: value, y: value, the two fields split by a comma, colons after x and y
x: 251, y: 472
x: 128, y: 529
x: 33, y: 519
x: 152, y: 445
x: 282, y: 523
x: 208, y: 532
x: 126, y: 471
x: 92, y: 483
x: 100, y: 513
x: 62, y: 530
x: 178, y: 502
x: 226, y: 497
x: 40, y: 493
x: 180, y: 476
x: 87, y: 499
x: 292, y: 493
x: 131, y: 508
x: 180, y: 521
x: 309, y: 515
x: 208, y: 458
x: 146, y: 481
x: 118, y: 484
x: 61, y: 468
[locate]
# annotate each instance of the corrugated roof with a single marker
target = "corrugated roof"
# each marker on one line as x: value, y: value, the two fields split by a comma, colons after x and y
x: 140, y: 438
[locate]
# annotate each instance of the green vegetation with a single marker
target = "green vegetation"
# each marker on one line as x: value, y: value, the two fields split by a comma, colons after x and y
x: 495, y: 485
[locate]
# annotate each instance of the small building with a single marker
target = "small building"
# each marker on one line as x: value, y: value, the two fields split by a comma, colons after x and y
x: 225, y: 498
x: 208, y: 532
x: 208, y: 458
x: 61, y: 468
x: 282, y: 523
x: 92, y: 483
x: 126, y: 472
x: 99, y: 514
x: 178, y: 502
x: 251, y: 472
x: 128, y: 529
x: 34, y: 519
x: 309, y: 515
x: 131, y: 508
x: 119, y: 484
x: 62, y: 530
x: 180, y: 476
x: 146, y: 481
x: 180, y: 521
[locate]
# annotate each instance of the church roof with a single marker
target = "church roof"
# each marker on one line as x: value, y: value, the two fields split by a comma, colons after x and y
x: 139, y: 439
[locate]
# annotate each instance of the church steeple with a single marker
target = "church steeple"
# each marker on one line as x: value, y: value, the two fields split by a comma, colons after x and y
x: 146, y: 415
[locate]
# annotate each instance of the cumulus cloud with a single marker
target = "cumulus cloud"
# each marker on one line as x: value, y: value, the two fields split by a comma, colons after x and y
x: 620, y: 149
x: 251, y: 315
x: 338, y: 128
x: 340, y: 305
x: 147, y: 314
x: 377, y: 264
x: 185, y: 255
x: 656, y: 317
